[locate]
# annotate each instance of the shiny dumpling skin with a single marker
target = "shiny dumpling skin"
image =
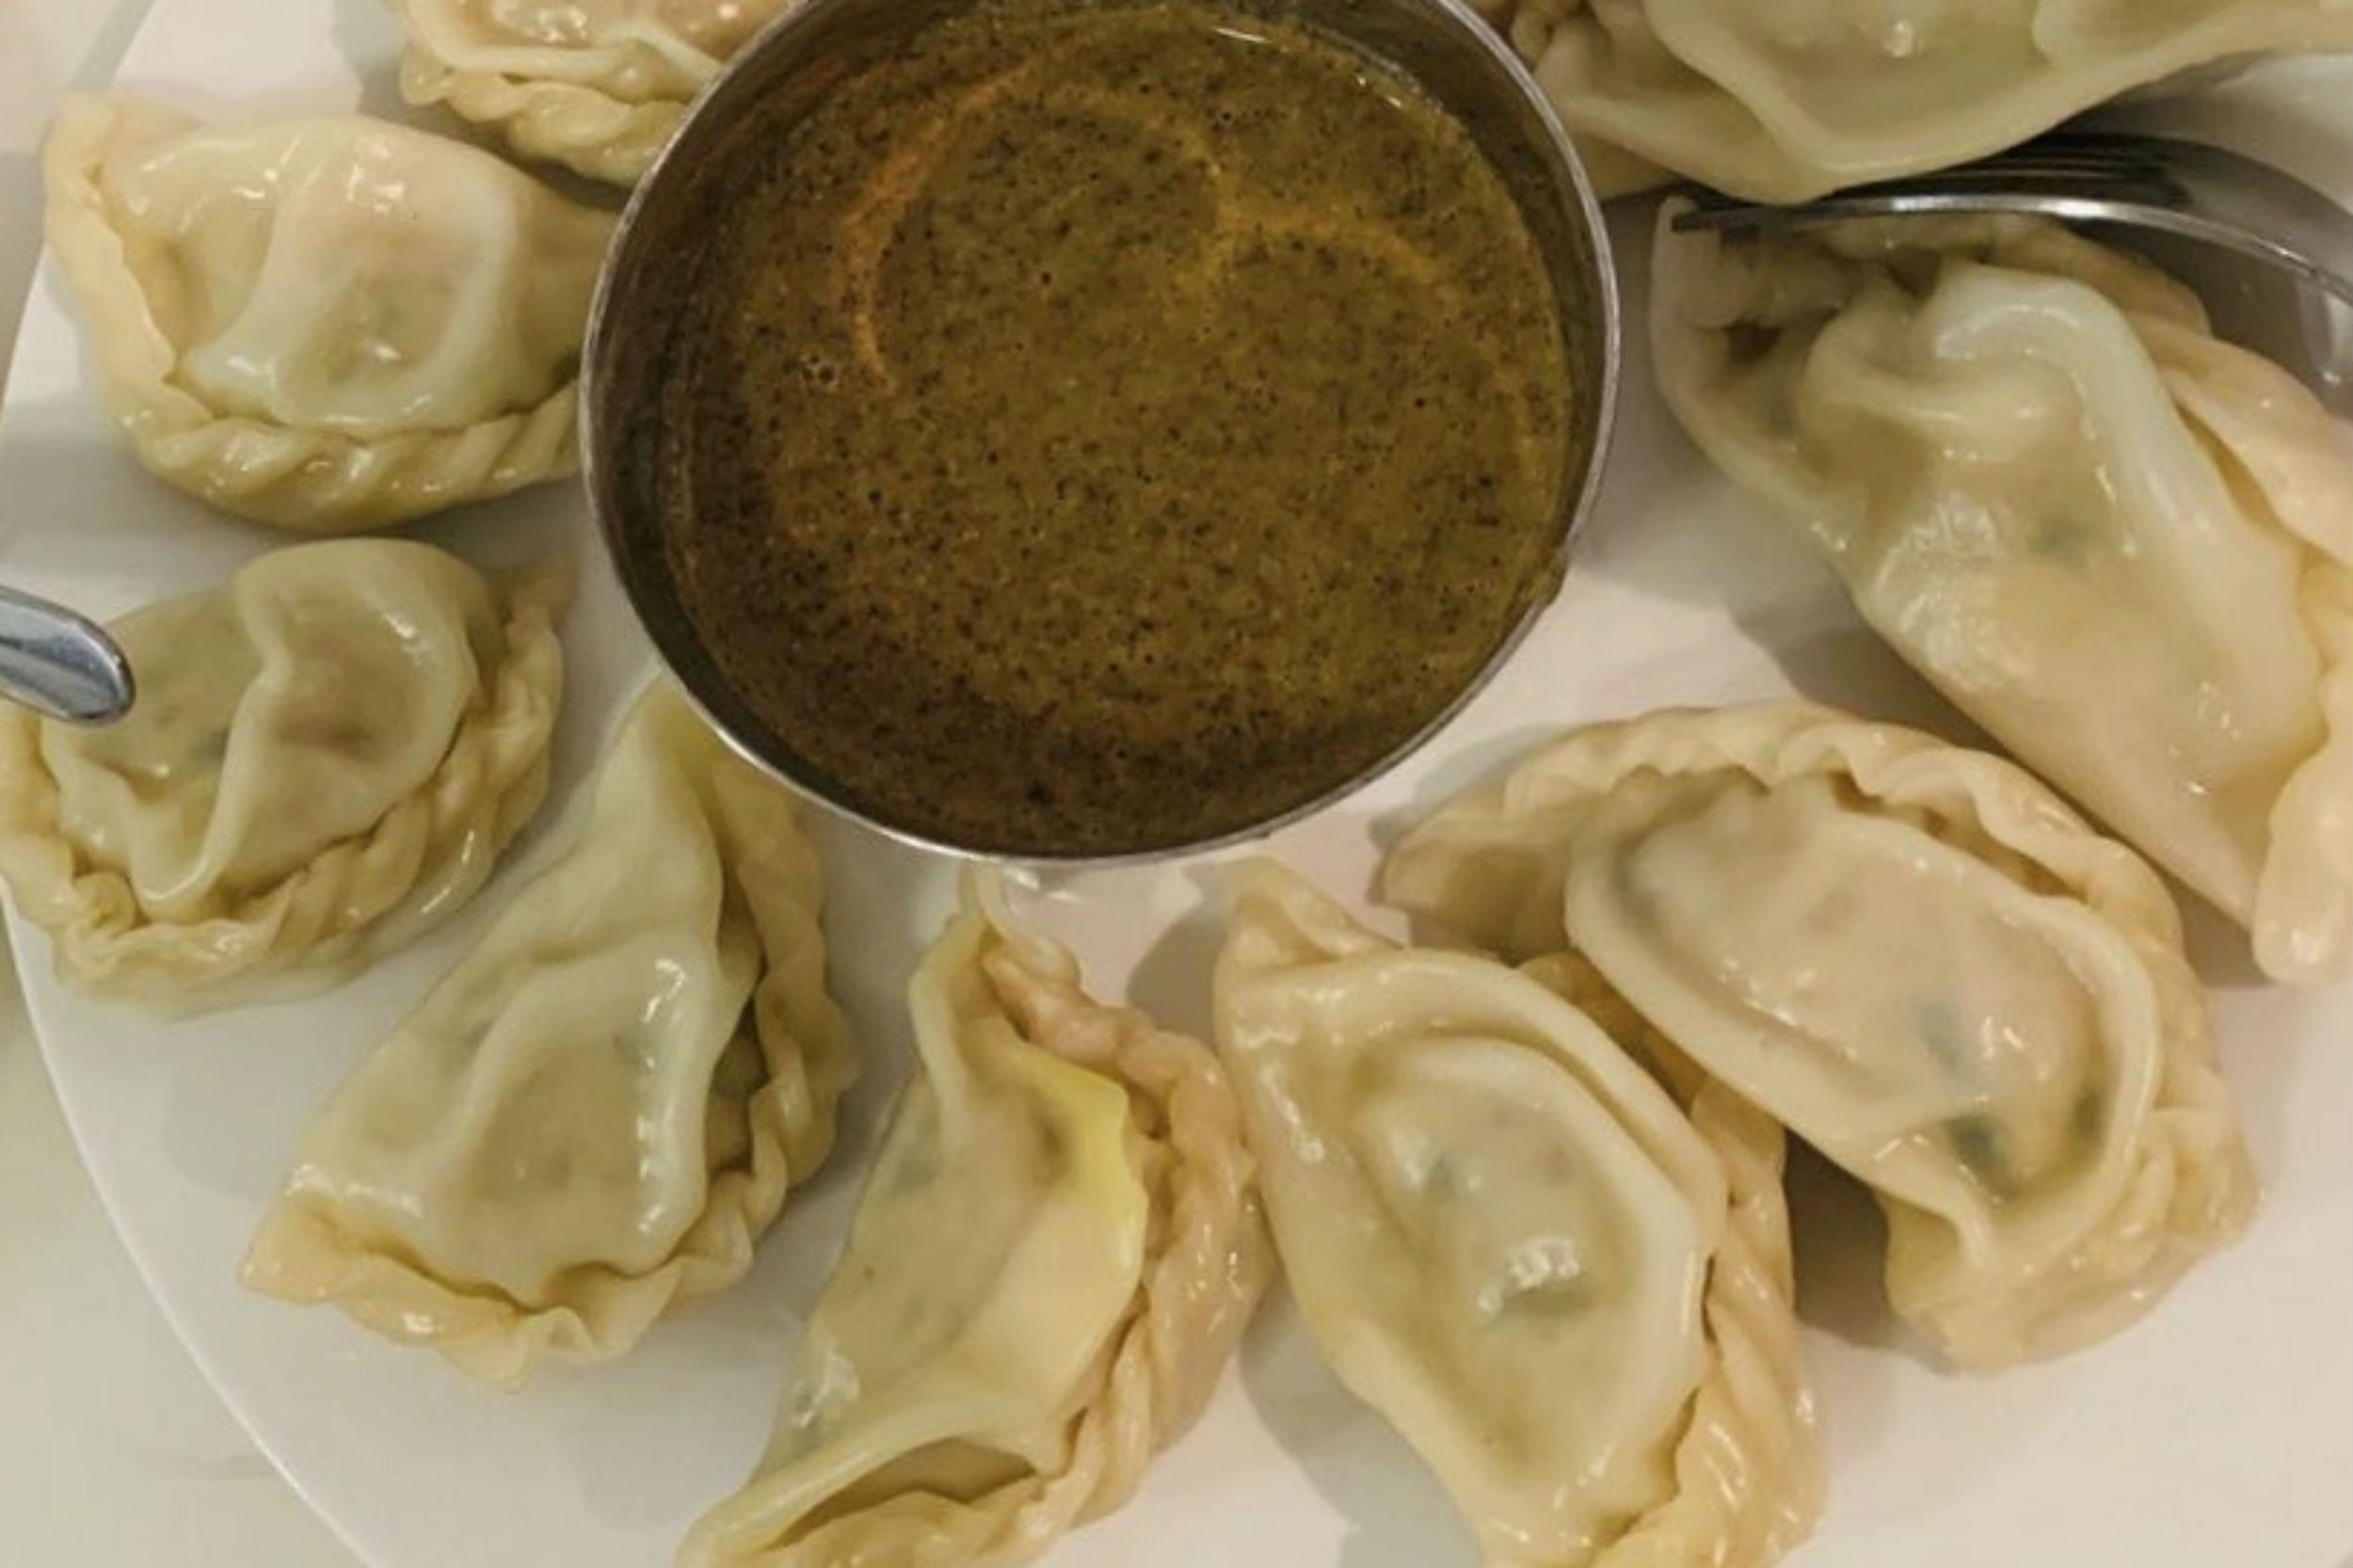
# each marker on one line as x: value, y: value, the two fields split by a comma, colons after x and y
x: 2115, y: 541
x: 1750, y: 1470
x: 327, y: 324
x: 595, y: 1114
x: 1055, y: 1255
x: 1784, y: 101
x: 328, y: 756
x: 1913, y: 955
x: 599, y: 87
x: 1507, y: 1237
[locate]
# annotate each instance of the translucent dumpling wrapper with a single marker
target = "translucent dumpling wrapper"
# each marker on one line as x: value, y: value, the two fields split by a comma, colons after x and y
x: 327, y: 324
x: 326, y: 756
x: 596, y: 1114
x: 1915, y: 956
x: 1784, y: 99
x: 1054, y: 1258
x: 599, y: 86
x: 1571, y: 1299
x: 2115, y: 541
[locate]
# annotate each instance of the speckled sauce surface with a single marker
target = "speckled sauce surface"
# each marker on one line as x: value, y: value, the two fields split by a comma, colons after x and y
x: 1114, y: 426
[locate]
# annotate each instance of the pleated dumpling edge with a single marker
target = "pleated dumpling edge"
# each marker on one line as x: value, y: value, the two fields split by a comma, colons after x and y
x: 325, y: 353
x: 1785, y: 103
x: 598, y: 87
x: 1505, y: 1235
x: 1052, y: 1262
x: 599, y: 1109
x: 1913, y: 955
x: 330, y: 754
x: 2120, y: 543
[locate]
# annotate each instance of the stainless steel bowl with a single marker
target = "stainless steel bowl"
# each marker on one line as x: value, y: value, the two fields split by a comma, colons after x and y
x: 1442, y: 44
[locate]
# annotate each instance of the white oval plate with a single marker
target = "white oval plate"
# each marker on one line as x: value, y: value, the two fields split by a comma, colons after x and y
x: 2221, y: 1429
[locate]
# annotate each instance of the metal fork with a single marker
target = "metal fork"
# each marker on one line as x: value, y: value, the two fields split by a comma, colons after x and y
x: 2184, y: 188
x: 2158, y: 193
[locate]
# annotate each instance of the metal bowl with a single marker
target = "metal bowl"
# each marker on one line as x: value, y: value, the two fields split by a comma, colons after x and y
x: 1442, y: 44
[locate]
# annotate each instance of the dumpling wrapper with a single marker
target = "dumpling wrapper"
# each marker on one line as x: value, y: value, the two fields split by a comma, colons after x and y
x: 1506, y: 1237
x: 596, y: 1114
x: 328, y: 324
x: 328, y: 756
x: 599, y: 86
x: 2115, y: 541
x: 1054, y: 1258
x: 1784, y: 99
x: 1916, y: 957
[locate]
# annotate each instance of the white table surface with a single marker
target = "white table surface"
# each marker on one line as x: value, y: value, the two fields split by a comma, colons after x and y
x: 113, y: 1451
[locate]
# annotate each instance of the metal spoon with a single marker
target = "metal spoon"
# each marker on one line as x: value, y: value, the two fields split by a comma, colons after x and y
x: 61, y: 665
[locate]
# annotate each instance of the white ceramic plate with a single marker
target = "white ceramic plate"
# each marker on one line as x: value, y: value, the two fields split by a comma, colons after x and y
x: 2221, y: 1429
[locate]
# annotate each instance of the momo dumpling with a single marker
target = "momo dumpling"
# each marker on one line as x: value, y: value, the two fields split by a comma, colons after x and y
x: 1573, y: 1300
x: 1783, y: 100
x: 327, y: 756
x: 1054, y: 1257
x: 1913, y: 956
x: 598, y: 86
x: 598, y: 1110
x: 327, y: 324
x: 2118, y: 543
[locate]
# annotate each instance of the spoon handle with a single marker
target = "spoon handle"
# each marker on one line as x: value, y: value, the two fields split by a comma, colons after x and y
x: 58, y: 664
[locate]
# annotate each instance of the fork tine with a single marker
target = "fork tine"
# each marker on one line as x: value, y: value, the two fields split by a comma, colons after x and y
x: 2084, y: 159
x: 2094, y: 149
x: 2179, y: 187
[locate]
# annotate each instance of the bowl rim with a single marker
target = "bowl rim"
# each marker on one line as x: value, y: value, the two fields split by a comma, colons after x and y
x: 706, y: 118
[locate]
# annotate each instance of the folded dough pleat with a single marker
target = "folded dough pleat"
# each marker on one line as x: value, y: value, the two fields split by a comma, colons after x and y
x: 1055, y: 1255
x: 1742, y: 1496
x: 599, y: 86
x: 2120, y: 544
x: 328, y: 756
x: 1573, y: 1299
x: 598, y: 1110
x: 1785, y: 103
x: 1915, y: 956
x: 327, y: 324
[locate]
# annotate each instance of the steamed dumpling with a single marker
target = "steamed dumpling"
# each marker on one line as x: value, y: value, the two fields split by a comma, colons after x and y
x: 597, y: 85
x: 1913, y: 956
x: 2115, y: 541
x: 598, y: 1110
x: 1506, y: 1237
x: 326, y: 756
x: 328, y: 324
x: 1055, y: 1255
x: 1783, y: 100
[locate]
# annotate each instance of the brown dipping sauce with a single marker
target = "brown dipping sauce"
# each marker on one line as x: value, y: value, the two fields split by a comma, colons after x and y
x: 1114, y: 426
